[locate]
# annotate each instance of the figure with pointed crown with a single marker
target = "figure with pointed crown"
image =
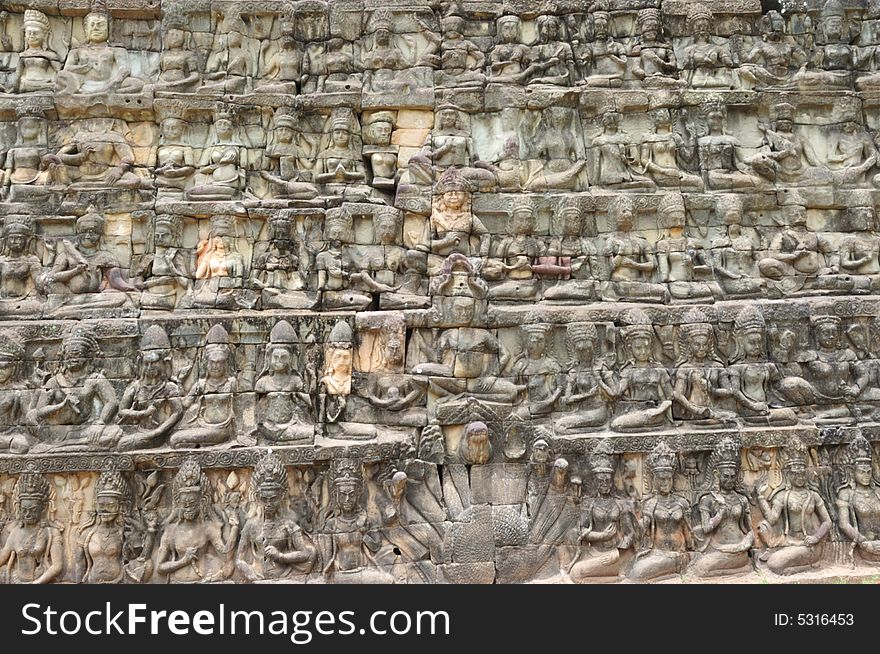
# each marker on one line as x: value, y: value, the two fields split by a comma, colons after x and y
x: 725, y: 518
x: 165, y: 271
x: 722, y: 163
x: 834, y: 57
x: 858, y: 500
x: 15, y: 397
x: 514, y: 256
x: 340, y: 166
x: 277, y: 271
x: 34, y: 549
x: 77, y: 406
x: 272, y: 544
x: 100, y: 546
x: 24, y: 175
x: 453, y: 227
x: 590, y: 383
x: 607, y: 523
x: 193, y: 529
x: 220, y: 269
x: 21, y: 271
x: 150, y: 406
x: 709, y: 64
x: 667, y: 534
x: 795, y: 510
x: 37, y: 63
x: 211, y: 404
x: 229, y: 67
x: 220, y: 175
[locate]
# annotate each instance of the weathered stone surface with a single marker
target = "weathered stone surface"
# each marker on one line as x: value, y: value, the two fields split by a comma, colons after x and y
x: 413, y: 292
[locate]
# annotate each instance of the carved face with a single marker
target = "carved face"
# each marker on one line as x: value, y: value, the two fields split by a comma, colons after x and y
x: 603, y: 482
x: 88, y: 234
x: 107, y: 507
x: 715, y: 121
x: 31, y: 510
x: 29, y: 128
x: 34, y: 36
x: 650, y: 29
x: 16, y: 243
x: 394, y: 351
x: 797, y: 473
x: 340, y: 362
x: 7, y: 369
x: 448, y: 119
x: 271, y: 501
x: 284, y: 134
x: 383, y: 36
x: 624, y: 216
x: 699, y: 345
x: 784, y: 125
x: 584, y: 348
x: 76, y: 357
x: 224, y: 128
x: 523, y: 221
x: 462, y: 310
x: 548, y: 30
x: 217, y: 364
x: 455, y: 200
x: 663, y: 480
x: 335, y: 230
x: 163, y: 236
x: 834, y: 27
x: 386, y: 228
x: 536, y: 344
x: 346, y: 497
x: 234, y: 40
x: 509, y: 31
x: 701, y: 27
x: 174, y: 39
x: 753, y: 344
x: 97, y: 28
x: 774, y: 26
x: 727, y: 478
x: 172, y: 129
x: 189, y: 502
x: 600, y: 26
x: 827, y: 335
x: 862, y: 473
x: 279, y: 360
x: 340, y: 137
x: 153, y: 365
x: 640, y: 346
x: 382, y: 132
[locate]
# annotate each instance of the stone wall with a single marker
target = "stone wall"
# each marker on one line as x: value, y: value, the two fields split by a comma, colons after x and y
x: 426, y: 292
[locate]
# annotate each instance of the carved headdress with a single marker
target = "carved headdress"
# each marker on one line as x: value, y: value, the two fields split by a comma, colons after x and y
x: 859, y: 450
x: 270, y: 475
x: 637, y: 323
x: 190, y: 478
x: 661, y: 458
x: 452, y: 180
x: 726, y: 454
x: 602, y: 458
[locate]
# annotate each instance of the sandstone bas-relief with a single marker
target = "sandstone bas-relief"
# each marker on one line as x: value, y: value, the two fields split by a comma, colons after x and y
x: 315, y: 293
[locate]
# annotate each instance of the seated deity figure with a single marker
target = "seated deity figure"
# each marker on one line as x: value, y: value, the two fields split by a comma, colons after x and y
x: 734, y: 253
x: 329, y: 66
x: 77, y: 406
x: 461, y: 60
x: 831, y: 369
x: 667, y: 533
x: 194, y: 526
x: 657, y: 66
x: 514, y: 256
x: 509, y: 58
x: 229, y: 67
x: 708, y: 64
x: 804, y: 517
x: 84, y: 275
x: 397, y: 266
x: 34, y: 549
x: 511, y: 174
x: 37, y: 63
x: 340, y: 282
x: 540, y: 370
x: 589, y: 383
x: 211, y: 404
x: 858, y: 501
x: 382, y: 155
x: 797, y: 257
x: 395, y: 398
x: 272, y: 544
x: 219, y: 175
x: 284, y: 407
x: 289, y: 153
x: 851, y: 154
x: 220, y: 268
x: 179, y: 70
x: 345, y: 533
x: 100, y: 543
x: 176, y: 159
x: 700, y: 383
x: 833, y: 57
x: 571, y: 258
x: 97, y: 67
x: 644, y: 392
x: 555, y: 144
x: 96, y: 157
x: 15, y: 397
x: 755, y: 382
x: 607, y: 57
x: 340, y: 166
x: 658, y: 156
x: 607, y: 524
x: 166, y: 271
x: 552, y: 57
x: 453, y: 228
x: 283, y: 69
x: 24, y: 174
x: 383, y: 61
x: 725, y: 518
x: 718, y: 152
x: 785, y: 157
x: 277, y: 272
x: 150, y: 406
x: 859, y: 251
x: 682, y: 263
x: 21, y: 271
x: 612, y: 159
x: 768, y: 62
x: 631, y: 263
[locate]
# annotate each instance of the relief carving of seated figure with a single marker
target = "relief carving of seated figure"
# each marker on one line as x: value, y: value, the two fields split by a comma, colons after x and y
x: 768, y: 62
x: 210, y: 404
x: 15, y: 397
x: 77, y: 405
x: 176, y: 159
x: 383, y: 61
x: 219, y: 174
x: 833, y: 58
x: 832, y: 369
x: 97, y: 67
x: 858, y: 501
x: 708, y: 63
x: 682, y: 264
x: 658, y: 155
x: 590, y: 384
x: 607, y: 56
x: 166, y: 271
x: 289, y: 154
x: 571, y: 258
x: 400, y: 267
x: 851, y: 154
x: 284, y: 68
x: 276, y: 272
x: 220, y: 267
x: 340, y: 167
x: 150, y: 406
x: 178, y: 65
x: 613, y: 157
x: 552, y: 58
x: 23, y: 168
x: 734, y: 265
x: 96, y: 157
x: 509, y: 57
x: 859, y: 251
x: 453, y: 228
x: 37, y: 63
x: 629, y: 258
x: 84, y: 275
x: 461, y: 60
x: 644, y: 393
x: 395, y: 398
x: 657, y: 66
x: 719, y: 154
x: 21, y: 281
x: 229, y: 67
x: 514, y: 257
